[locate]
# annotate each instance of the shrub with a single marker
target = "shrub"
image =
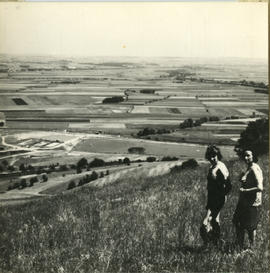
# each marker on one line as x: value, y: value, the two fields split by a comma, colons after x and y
x: 11, y: 168
x: 169, y: 158
x: 64, y: 167
x: 93, y: 176
x: 82, y: 163
x: 255, y: 137
x: 33, y: 180
x: 191, y: 163
x: 97, y: 163
x: 176, y: 168
x: 126, y: 160
x: 187, y: 123
x: 213, y: 118
x: 136, y: 150
x: 71, y: 185
x: 16, y: 185
x: 44, y: 178
x: 150, y: 159
x: 23, y: 183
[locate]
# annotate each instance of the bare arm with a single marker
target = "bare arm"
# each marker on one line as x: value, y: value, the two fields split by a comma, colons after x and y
x: 259, y: 180
x: 257, y: 189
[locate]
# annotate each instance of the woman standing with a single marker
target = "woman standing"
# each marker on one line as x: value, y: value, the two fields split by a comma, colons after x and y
x: 246, y: 215
x: 218, y: 186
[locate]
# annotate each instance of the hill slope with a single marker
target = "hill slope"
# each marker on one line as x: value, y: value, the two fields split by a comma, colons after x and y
x: 133, y: 225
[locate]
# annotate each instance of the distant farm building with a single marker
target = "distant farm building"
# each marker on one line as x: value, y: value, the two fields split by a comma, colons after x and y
x: 2, y: 119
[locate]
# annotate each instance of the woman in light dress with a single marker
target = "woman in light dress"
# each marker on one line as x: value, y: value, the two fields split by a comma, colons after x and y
x: 246, y: 216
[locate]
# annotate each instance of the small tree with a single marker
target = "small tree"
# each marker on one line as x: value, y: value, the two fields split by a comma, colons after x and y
x: 97, y: 163
x: 11, y: 168
x: 94, y: 176
x: 255, y: 137
x: 33, y: 180
x: 23, y: 183
x: 22, y: 168
x: 126, y: 160
x: 63, y: 167
x: 44, y: 178
x: 82, y: 163
x: 150, y: 159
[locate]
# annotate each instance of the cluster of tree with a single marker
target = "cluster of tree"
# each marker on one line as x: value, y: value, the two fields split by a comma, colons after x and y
x: 253, y: 84
x: 4, y: 166
x: 23, y: 182
x: 242, y: 82
x: 67, y: 81
x: 189, y: 123
x: 97, y: 162
x: 188, y: 164
x: 255, y: 137
x: 86, y: 179
x: 136, y: 150
x: 29, y: 169
x: 262, y: 91
x: 169, y: 158
x: 151, y: 131
x: 151, y: 159
x: 179, y: 74
x: 115, y: 99
x: 147, y: 91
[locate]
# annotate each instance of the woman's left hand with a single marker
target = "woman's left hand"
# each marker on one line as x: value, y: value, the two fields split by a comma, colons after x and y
x: 242, y: 189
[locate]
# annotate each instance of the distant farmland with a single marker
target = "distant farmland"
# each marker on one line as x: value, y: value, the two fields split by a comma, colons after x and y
x: 56, y: 114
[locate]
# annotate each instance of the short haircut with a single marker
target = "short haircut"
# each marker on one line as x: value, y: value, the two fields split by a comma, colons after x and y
x: 254, y: 155
x: 211, y: 151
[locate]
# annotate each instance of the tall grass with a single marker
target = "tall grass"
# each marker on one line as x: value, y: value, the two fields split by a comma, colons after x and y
x: 139, y: 225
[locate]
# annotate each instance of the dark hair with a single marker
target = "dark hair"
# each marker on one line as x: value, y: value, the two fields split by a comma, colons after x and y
x: 254, y: 155
x: 213, y: 150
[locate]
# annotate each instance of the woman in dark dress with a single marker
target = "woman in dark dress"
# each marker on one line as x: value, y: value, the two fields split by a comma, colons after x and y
x: 218, y: 186
x: 246, y: 215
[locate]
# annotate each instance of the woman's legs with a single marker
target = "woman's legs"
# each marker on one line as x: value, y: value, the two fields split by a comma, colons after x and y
x: 252, y: 237
x: 215, y: 224
x: 240, y: 236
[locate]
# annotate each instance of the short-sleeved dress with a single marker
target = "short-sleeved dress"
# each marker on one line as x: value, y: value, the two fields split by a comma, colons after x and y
x: 218, y: 186
x: 247, y: 211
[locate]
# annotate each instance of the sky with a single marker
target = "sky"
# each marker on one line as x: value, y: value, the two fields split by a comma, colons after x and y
x: 199, y: 30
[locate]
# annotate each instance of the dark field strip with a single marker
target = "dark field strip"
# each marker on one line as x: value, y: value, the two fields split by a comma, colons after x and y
x: 49, y: 120
x: 19, y: 101
x: 21, y: 111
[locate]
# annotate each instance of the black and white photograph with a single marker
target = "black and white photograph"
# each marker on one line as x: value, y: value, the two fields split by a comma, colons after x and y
x: 134, y: 137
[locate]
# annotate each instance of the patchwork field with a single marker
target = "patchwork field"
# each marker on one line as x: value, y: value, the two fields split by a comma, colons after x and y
x: 58, y: 111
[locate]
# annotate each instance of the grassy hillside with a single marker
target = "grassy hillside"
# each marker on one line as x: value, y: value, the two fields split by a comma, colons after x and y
x: 134, y: 225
